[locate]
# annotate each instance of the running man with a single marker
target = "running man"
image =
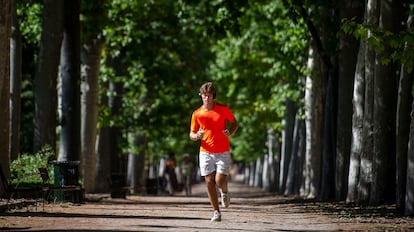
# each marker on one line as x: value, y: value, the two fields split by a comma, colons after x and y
x: 213, y: 123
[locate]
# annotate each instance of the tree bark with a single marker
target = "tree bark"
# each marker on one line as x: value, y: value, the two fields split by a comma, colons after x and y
x: 46, y: 75
x: 5, y: 34
x: 294, y: 159
x: 273, y: 162
x: 287, y: 143
x: 70, y: 89
x: 409, y: 194
x: 15, y: 83
x: 385, y: 97
x: 357, y: 126
x: 103, y: 154
x: 405, y: 99
x: 365, y: 176
x: 329, y: 145
x: 258, y: 171
x: 348, y: 52
x: 91, y: 54
x: 90, y: 108
x: 136, y: 165
x: 314, y: 128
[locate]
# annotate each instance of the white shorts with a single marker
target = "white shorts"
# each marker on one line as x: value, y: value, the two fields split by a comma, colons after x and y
x: 218, y: 162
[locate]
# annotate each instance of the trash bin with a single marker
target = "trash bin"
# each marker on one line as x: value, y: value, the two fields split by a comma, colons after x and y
x: 66, y: 173
x: 118, y: 183
x: 152, y: 186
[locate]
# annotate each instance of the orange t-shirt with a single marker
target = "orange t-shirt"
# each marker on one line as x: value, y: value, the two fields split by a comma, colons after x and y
x: 213, y: 123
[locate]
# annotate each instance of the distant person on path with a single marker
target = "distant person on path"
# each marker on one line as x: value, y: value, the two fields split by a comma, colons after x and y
x: 187, y: 169
x: 170, y: 175
x: 213, y: 123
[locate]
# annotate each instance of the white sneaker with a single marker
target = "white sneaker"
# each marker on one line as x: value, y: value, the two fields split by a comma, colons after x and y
x: 225, y: 199
x: 216, y: 216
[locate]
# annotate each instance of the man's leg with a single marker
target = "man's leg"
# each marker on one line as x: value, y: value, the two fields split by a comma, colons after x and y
x: 211, y: 190
x: 221, y: 181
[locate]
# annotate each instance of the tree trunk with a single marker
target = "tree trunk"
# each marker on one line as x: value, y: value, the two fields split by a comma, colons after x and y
x: 103, y: 163
x: 365, y: 176
x: 348, y: 51
x: 252, y: 171
x: 329, y: 70
x: 294, y: 159
x: 405, y: 99
x: 409, y: 195
x: 70, y: 89
x: 300, y: 167
x: 357, y: 126
x: 273, y: 163
x: 118, y: 161
x: 46, y: 75
x: 266, y: 172
x: 385, y: 97
x: 314, y: 128
x: 15, y: 83
x: 5, y: 34
x: 136, y: 165
x: 91, y: 51
x: 258, y: 173
x: 287, y: 143
x: 329, y: 145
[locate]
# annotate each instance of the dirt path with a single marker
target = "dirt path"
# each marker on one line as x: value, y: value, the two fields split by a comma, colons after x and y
x: 250, y: 210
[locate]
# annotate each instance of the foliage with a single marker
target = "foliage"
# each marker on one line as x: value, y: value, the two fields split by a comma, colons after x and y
x: 25, y: 169
x: 400, y: 42
x: 257, y: 70
x: 29, y: 14
x: 163, y: 52
x: 167, y: 49
x: 160, y: 52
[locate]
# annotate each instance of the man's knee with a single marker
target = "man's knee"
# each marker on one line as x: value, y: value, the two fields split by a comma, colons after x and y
x: 210, y: 179
x: 221, y: 179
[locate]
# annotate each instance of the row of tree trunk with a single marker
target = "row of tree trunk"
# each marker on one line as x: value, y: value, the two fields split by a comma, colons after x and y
x: 356, y: 143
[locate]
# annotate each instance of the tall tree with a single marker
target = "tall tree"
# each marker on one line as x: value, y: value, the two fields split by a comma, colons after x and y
x: 5, y: 34
x: 15, y: 83
x: 136, y: 164
x: 347, y: 54
x: 405, y: 98
x: 366, y: 157
x: 70, y: 84
x: 409, y: 194
x: 314, y: 94
x: 328, y: 26
x: 45, y: 83
x: 322, y: 27
x: 103, y: 153
x: 357, y: 125
x: 94, y: 17
x: 287, y: 145
x: 385, y: 97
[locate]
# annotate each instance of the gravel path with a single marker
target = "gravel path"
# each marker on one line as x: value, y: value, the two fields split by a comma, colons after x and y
x: 250, y: 210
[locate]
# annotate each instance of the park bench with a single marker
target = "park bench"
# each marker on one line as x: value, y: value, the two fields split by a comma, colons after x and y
x: 8, y: 191
x: 75, y: 191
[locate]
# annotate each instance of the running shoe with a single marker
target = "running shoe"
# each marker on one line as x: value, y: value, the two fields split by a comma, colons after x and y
x: 216, y: 216
x: 225, y: 199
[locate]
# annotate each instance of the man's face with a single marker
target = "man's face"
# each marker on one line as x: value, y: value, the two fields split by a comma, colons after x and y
x: 207, y: 98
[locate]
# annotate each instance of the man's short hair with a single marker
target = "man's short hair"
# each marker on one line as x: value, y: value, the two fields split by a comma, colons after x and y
x: 208, y: 87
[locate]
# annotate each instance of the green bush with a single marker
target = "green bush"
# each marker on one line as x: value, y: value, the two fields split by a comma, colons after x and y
x: 25, y: 169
